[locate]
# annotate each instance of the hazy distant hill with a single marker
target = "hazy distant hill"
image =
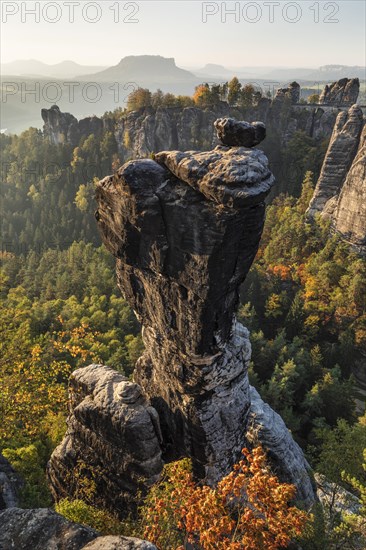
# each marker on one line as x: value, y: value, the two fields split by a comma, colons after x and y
x: 20, y: 109
x: 144, y: 68
x: 335, y: 72
x: 327, y: 73
x: 32, y: 67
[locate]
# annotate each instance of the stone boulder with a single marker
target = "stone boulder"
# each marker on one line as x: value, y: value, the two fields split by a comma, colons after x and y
x: 44, y: 529
x: 119, y: 543
x: 41, y: 529
x: 113, y: 433
x: 242, y: 134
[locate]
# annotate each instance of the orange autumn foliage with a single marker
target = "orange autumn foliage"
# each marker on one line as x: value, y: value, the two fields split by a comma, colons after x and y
x: 281, y: 271
x: 248, y: 509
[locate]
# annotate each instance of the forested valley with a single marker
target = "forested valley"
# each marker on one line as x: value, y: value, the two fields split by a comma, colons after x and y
x: 304, y: 302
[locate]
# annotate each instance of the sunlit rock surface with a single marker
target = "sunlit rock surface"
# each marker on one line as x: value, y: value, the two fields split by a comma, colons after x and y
x: 339, y: 157
x: 349, y: 218
x: 343, y: 92
x: 340, y: 193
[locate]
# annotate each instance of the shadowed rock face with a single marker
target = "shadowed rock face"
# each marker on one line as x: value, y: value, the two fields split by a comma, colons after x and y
x: 185, y: 228
x: 112, y: 432
x: 232, y: 132
x: 10, y: 484
x: 43, y: 529
x: 340, y: 192
x: 65, y: 128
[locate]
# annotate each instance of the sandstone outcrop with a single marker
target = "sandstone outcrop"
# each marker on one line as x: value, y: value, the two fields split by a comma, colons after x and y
x: 65, y: 128
x: 344, y: 92
x: 43, y: 529
x: 10, y: 485
x: 292, y: 93
x: 339, y: 157
x: 113, y: 435
x: 349, y: 217
x: 185, y: 228
x: 139, y: 133
x: 231, y: 132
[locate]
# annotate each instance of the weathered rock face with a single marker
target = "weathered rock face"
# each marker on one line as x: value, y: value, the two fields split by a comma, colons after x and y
x: 65, y: 128
x: 231, y: 132
x: 113, y: 432
x: 292, y: 93
x: 267, y: 426
x: 344, y: 92
x: 139, y: 133
x: 349, y: 217
x: 185, y: 228
x: 43, y: 529
x: 339, y: 157
x: 10, y: 484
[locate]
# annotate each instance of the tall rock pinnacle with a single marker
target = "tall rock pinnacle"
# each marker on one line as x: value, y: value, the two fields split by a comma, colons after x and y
x: 338, y: 159
x: 185, y: 228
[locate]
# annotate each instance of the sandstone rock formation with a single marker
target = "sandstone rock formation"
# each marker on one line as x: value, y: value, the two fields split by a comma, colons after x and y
x: 142, y: 132
x: 184, y: 229
x: 292, y: 93
x: 339, y: 157
x: 344, y: 92
x: 231, y: 132
x: 65, y: 128
x: 43, y: 529
x: 349, y: 218
x: 267, y: 426
x: 112, y: 433
x: 10, y: 484
x: 340, y: 192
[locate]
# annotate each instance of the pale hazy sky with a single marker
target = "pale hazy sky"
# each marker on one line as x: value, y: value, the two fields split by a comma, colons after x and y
x: 268, y: 33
